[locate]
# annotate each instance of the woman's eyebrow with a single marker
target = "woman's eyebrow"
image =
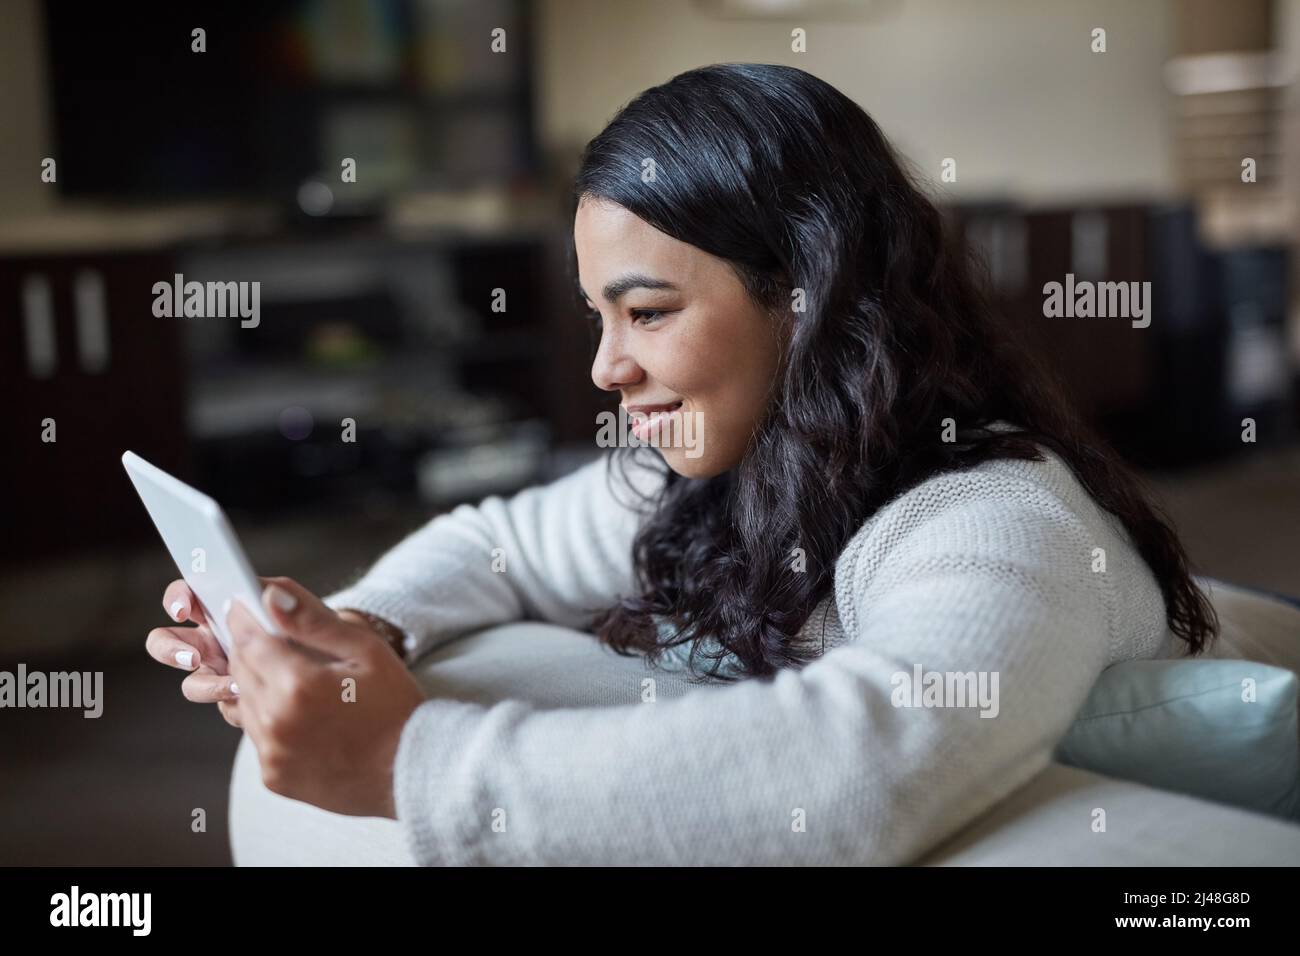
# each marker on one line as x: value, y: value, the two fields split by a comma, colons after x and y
x: 617, y: 288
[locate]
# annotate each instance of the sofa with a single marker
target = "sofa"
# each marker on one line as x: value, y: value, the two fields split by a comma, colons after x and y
x: 1044, y: 823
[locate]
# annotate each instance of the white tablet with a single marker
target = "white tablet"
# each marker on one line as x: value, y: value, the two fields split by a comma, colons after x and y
x: 202, y: 544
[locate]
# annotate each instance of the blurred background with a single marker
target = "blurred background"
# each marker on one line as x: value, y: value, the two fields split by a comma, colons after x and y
x: 381, y: 298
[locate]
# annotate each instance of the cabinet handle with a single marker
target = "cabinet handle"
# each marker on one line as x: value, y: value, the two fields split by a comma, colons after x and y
x: 1089, y: 242
x: 38, y: 326
x: 92, y: 321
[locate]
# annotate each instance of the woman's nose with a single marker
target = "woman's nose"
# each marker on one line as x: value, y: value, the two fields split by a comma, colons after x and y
x: 613, y: 368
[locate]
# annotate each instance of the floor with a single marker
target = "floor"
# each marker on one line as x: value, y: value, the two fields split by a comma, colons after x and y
x: 125, y: 789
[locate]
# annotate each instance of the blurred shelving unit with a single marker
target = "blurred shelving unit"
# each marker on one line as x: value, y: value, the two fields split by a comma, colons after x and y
x: 422, y: 300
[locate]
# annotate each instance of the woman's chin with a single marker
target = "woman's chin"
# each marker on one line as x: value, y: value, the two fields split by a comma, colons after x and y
x: 691, y: 463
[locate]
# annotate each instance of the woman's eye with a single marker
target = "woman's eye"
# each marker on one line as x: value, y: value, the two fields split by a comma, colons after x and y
x: 649, y: 315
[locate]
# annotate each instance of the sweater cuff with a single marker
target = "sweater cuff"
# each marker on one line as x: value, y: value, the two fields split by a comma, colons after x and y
x: 440, y: 816
x: 390, y: 607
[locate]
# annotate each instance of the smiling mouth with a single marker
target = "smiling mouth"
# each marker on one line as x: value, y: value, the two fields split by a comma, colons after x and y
x: 653, y: 409
x: 644, y: 422
x: 643, y: 416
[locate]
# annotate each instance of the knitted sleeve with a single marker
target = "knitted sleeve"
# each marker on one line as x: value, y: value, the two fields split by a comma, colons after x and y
x: 979, y: 583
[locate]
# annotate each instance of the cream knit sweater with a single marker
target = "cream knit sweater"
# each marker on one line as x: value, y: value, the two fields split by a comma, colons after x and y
x: 992, y: 570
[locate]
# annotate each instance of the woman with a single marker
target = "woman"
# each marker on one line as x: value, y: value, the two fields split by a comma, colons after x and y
x: 886, y: 490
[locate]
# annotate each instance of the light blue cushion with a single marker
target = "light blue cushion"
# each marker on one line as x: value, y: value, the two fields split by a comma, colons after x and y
x: 1185, y: 725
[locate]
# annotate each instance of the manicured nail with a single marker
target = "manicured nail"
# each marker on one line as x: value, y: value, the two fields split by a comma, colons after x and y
x: 234, y: 688
x: 185, y: 659
x: 178, y: 610
x: 281, y: 598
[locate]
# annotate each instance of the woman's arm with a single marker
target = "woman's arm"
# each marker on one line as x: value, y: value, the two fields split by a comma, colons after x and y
x: 818, y: 765
x: 557, y: 553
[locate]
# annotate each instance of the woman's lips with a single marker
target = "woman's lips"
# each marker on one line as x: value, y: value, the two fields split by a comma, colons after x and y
x: 648, y: 409
x: 646, y: 418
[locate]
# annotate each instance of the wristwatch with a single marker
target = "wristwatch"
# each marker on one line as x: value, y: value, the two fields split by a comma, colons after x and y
x: 394, y: 636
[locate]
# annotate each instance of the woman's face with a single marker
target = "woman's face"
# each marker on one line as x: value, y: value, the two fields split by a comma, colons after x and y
x: 676, y: 326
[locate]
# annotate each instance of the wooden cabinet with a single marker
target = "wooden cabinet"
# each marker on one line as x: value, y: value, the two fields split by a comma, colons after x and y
x: 82, y: 349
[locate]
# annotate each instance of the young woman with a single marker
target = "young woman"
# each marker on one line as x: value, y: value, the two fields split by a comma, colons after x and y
x: 885, y: 490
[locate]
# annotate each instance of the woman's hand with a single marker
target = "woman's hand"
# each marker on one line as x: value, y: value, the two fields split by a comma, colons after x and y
x: 325, y: 708
x: 193, y: 649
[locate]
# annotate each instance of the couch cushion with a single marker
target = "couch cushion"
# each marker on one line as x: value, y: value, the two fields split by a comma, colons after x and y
x: 1225, y: 730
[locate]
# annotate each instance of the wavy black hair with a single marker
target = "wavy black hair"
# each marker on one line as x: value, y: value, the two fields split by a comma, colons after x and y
x: 791, y: 182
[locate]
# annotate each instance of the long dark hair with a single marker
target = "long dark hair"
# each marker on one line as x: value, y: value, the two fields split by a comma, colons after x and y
x: 790, y: 181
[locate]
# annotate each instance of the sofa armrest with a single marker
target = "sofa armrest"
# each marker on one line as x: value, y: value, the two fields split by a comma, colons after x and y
x: 1050, y: 822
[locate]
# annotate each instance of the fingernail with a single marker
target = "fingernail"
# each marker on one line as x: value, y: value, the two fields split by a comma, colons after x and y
x: 185, y: 658
x: 281, y: 598
x: 178, y: 610
x: 234, y: 688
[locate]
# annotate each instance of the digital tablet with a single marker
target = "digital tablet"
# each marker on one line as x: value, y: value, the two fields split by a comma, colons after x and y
x: 203, y: 545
